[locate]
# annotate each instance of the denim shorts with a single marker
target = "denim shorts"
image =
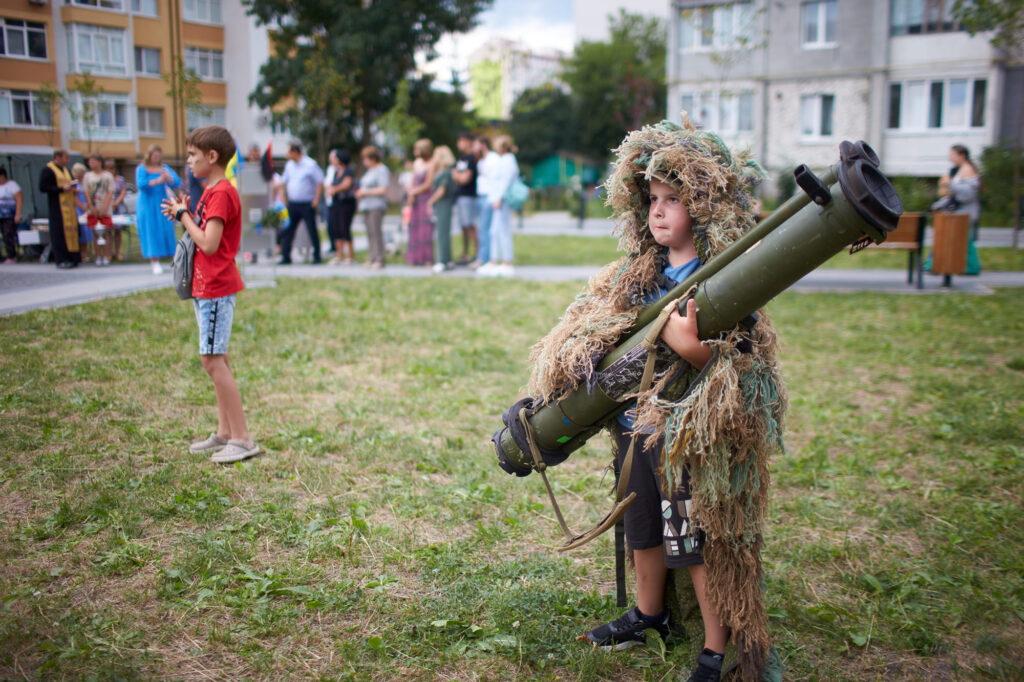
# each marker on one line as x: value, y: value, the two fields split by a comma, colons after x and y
x: 466, y: 208
x: 214, y: 316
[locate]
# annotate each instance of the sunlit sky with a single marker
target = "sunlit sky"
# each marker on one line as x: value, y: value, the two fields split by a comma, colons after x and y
x: 539, y: 24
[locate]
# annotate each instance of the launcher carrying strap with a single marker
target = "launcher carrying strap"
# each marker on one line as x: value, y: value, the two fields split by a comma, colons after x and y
x: 622, y: 501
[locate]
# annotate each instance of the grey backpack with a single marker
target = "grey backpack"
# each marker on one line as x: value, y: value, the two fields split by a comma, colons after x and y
x: 183, y: 264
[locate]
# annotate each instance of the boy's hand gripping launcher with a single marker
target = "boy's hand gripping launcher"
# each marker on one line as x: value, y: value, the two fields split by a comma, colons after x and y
x: 807, y: 230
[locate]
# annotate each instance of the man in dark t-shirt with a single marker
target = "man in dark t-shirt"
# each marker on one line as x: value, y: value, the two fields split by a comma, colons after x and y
x: 464, y: 175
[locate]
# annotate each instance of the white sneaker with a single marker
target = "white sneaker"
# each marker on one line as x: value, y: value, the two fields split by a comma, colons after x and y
x: 157, y: 270
x: 487, y: 270
x: 506, y: 270
x: 234, y: 451
x: 437, y: 267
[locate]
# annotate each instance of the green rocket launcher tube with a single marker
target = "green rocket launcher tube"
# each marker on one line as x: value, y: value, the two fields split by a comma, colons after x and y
x: 852, y: 203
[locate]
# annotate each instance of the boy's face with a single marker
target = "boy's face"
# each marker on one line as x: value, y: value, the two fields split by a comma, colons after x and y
x: 201, y: 162
x: 95, y: 165
x: 668, y: 218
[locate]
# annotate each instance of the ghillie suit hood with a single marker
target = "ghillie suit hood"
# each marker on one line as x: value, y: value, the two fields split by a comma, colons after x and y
x: 722, y: 423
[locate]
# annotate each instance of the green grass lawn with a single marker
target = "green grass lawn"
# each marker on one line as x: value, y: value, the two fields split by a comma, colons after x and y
x: 377, y: 539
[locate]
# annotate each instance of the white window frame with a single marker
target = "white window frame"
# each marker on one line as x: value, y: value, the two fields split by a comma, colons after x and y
x: 145, y: 116
x: 143, y: 12
x: 197, y: 117
x: 94, y: 130
x: 194, y: 57
x: 814, y: 105
x: 711, y: 27
x: 907, y: 124
x: 80, y: 34
x: 202, y: 12
x: 722, y: 109
x: 35, y: 103
x: 25, y: 28
x: 137, y: 55
x: 112, y: 5
x: 820, y: 8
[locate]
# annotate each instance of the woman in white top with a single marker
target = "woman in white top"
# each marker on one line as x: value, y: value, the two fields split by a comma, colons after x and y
x: 505, y: 173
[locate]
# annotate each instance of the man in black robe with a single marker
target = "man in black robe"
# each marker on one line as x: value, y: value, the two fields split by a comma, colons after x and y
x: 56, y: 183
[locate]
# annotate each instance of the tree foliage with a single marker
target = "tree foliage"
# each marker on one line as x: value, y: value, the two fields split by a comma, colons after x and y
x: 542, y: 123
x: 617, y: 85
x: 1004, y: 17
x: 348, y: 56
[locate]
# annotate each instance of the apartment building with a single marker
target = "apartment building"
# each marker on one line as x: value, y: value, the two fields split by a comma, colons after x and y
x: 500, y: 70
x: 793, y: 78
x: 127, y: 47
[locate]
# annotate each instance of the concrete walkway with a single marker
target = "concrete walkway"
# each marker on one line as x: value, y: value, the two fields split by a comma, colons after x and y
x: 33, y: 286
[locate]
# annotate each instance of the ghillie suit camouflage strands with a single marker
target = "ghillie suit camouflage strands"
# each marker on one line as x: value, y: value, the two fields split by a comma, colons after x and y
x: 722, y: 423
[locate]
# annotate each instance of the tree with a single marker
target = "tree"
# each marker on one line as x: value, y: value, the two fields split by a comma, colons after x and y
x: 84, y: 107
x: 371, y: 44
x: 185, y: 95
x: 1005, y: 18
x: 618, y: 85
x: 443, y: 114
x: 400, y: 127
x: 541, y: 123
x: 50, y: 100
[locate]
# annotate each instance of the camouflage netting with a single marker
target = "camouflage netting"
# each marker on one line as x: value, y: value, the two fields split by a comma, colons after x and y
x: 728, y: 422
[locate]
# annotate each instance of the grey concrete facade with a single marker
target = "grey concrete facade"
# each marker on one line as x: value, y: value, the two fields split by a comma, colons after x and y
x: 820, y: 71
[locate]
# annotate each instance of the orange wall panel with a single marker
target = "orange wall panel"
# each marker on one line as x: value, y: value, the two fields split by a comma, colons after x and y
x: 29, y: 73
x: 84, y: 15
x: 42, y: 138
x: 214, y: 94
x: 151, y: 33
x: 151, y: 92
x: 121, y: 86
x: 121, y: 150
x: 201, y: 35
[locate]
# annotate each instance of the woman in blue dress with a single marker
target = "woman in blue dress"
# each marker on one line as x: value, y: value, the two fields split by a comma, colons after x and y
x: 156, y: 233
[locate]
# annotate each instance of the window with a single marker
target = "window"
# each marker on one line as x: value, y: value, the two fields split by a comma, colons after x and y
x: 723, y: 112
x: 205, y: 11
x: 954, y: 104
x: 818, y: 24
x: 715, y: 26
x: 206, y: 116
x: 147, y: 7
x: 151, y: 122
x: 105, y: 4
x: 208, y: 64
x: 909, y: 17
x: 104, y: 117
x: 147, y: 61
x: 22, y: 39
x: 816, y: 115
x: 24, y: 109
x: 96, y: 49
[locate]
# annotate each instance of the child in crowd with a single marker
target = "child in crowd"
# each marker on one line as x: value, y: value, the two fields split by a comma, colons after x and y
x: 85, y: 235
x: 706, y: 428
x: 98, y: 187
x: 216, y: 230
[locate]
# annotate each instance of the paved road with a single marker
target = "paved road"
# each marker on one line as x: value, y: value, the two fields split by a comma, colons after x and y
x: 32, y: 286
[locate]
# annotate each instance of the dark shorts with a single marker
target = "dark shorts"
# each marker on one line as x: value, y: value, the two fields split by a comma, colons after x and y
x: 656, y: 518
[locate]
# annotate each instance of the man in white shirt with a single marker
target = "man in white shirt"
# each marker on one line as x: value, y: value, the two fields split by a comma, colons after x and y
x: 303, y: 183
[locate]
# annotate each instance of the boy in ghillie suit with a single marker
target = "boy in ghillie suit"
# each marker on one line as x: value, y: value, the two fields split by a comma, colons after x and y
x: 710, y: 421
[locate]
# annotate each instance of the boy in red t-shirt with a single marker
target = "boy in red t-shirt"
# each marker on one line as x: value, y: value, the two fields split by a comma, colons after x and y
x: 217, y: 231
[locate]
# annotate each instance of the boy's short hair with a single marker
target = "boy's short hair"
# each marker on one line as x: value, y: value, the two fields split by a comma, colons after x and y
x: 295, y: 147
x: 484, y: 140
x: 466, y: 135
x: 213, y: 138
x: 97, y: 156
x: 3, y: 171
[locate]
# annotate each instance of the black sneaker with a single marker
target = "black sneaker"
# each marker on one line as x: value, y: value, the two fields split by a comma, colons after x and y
x: 627, y: 630
x: 709, y: 667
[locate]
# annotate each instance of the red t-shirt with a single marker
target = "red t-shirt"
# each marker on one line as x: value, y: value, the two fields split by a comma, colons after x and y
x: 217, y: 275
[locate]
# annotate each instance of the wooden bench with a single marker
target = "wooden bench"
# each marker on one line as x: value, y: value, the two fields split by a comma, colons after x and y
x: 908, y: 236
